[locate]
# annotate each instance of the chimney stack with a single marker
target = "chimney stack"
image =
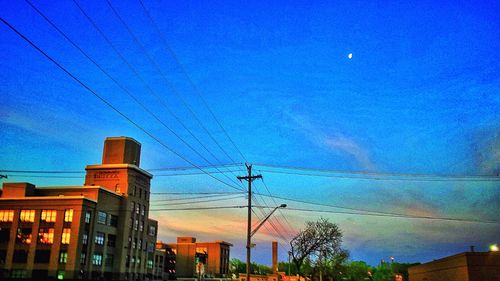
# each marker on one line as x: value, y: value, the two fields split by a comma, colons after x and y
x: 275, y: 256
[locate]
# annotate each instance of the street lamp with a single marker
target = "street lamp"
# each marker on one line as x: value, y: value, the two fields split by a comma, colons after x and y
x: 250, y: 234
x: 494, y: 248
x: 266, y: 218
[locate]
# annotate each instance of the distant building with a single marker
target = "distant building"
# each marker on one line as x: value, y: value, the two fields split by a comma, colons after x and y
x: 467, y: 266
x: 100, y: 230
x: 192, y: 259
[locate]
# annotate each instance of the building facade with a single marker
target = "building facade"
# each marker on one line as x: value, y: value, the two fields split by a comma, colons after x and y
x: 193, y: 259
x: 100, y: 230
x: 467, y: 266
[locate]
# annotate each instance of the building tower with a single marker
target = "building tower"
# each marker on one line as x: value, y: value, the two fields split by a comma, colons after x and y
x: 100, y: 230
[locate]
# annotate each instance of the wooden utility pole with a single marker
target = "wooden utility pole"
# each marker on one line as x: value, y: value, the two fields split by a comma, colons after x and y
x: 249, y: 178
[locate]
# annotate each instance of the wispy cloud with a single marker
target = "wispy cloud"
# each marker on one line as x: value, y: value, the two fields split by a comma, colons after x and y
x: 332, y: 139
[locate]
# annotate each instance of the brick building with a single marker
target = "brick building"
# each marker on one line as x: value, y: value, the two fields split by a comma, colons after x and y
x: 100, y: 230
x: 467, y: 266
x: 210, y: 259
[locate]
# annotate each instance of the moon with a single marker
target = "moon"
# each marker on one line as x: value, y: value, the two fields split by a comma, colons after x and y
x: 349, y: 55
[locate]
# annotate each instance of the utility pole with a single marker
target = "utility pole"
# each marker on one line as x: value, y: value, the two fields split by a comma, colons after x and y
x: 249, y: 178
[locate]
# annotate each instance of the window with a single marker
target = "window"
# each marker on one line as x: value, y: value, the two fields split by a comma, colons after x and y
x: 3, y: 256
x: 101, y: 217
x: 152, y: 230
x: 63, y: 257
x: 131, y: 222
x: 19, y: 274
x: 111, y: 240
x: 127, y: 261
x: 138, y: 260
x: 136, y: 224
x: 83, y: 258
x: 68, y: 215
x: 60, y: 274
x: 134, y: 243
x: 113, y: 220
x: 137, y: 208
x: 133, y: 206
x: 46, y: 235
x: 42, y: 256
x: 129, y: 242
x: 66, y: 235
x: 20, y: 256
x: 143, y: 210
x: 151, y: 247
x: 4, y: 234
x: 141, y: 226
x: 150, y: 264
x: 48, y: 216
x: 97, y: 259
x: 109, y: 260
x: 88, y: 216
x: 99, y: 238
x: 6, y: 215
x: 27, y: 216
x: 139, y: 244
x: 23, y: 236
x: 85, y: 239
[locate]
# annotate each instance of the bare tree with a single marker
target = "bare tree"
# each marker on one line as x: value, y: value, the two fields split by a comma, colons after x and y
x: 319, y: 240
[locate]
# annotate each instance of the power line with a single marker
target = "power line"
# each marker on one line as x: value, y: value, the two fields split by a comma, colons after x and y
x: 196, y: 197
x: 193, y: 193
x: 183, y: 70
x: 229, y: 196
x: 202, y: 201
x: 147, y: 169
x: 379, y: 176
x: 128, y: 92
x: 393, y: 216
x: 105, y: 101
x: 172, y: 88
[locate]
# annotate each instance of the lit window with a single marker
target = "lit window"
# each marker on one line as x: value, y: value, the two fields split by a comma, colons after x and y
x: 138, y: 260
x: 27, y: 216
x: 63, y: 257
x: 134, y: 243
x: 6, y: 215
x: 23, y: 236
x: 136, y: 224
x: 48, y: 215
x: 85, y: 239
x: 152, y: 230
x: 88, y: 215
x: 68, y: 215
x: 150, y: 264
x: 83, y: 257
x: 137, y: 208
x: 46, y: 235
x: 19, y: 273
x: 97, y: 259
x: 99, y: 238
x: 139, y: 244
x: 60, y: 275
x: 141, y: 226
x: 143, y: 210
x: 101, y: 217
x: 66, y: 235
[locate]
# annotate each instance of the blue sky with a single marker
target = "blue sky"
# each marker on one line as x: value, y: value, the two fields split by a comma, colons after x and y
x: 420, y: 95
